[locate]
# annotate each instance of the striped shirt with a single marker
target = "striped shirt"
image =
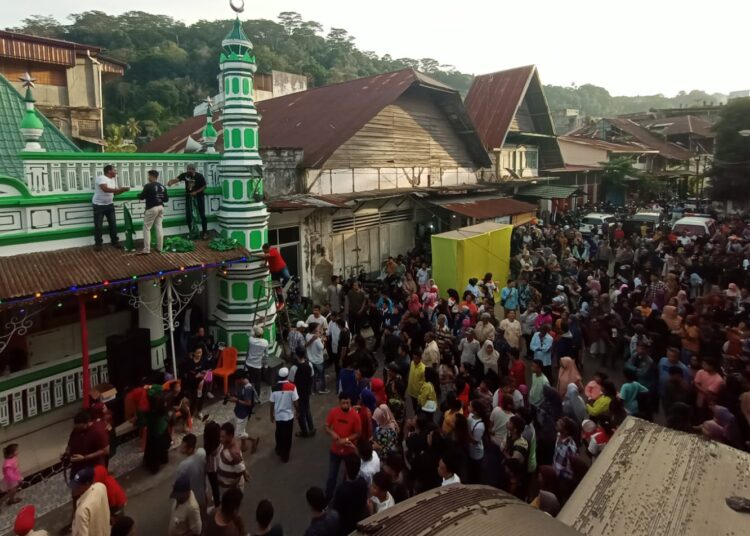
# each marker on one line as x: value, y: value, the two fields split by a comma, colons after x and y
x: 231, y: 467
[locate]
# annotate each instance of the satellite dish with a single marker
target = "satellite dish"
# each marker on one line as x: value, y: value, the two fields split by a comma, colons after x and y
x: 239, y: 8
x: 192, y: 146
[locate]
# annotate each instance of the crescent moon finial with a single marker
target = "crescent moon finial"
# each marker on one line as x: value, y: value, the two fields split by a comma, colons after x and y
x: 237, y: 8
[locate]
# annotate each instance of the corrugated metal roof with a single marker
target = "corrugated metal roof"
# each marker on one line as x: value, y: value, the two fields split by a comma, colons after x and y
x: 684, y: 124
x: 608, y: 145
x: 459, y: 510
x: 661, y: 482
x: 493, y: 100
x: 12, y: 108
x: 320, y: 120
x: 548, y: 191
x: 487, y: 208
x: 25, y: 275
x: 665, y: 148
x: 303, y: 201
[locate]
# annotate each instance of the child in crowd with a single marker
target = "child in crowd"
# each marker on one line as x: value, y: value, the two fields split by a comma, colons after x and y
x: 11, y: 473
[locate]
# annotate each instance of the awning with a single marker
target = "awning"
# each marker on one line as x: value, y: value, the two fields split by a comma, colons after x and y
x: 48, y: 274
x: 487, y: 208
x: 544, y: 191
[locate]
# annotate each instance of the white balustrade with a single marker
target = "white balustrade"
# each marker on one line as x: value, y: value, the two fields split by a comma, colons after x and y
x: 55, y: 177
x: 47, y: 394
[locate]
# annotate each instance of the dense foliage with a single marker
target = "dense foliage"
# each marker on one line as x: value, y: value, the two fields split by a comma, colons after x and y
x: 173, y: 66
x: 730, y: 174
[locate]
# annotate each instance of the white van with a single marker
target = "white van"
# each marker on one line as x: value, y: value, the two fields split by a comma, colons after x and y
x: 695, y: 226
x: 594, y: 220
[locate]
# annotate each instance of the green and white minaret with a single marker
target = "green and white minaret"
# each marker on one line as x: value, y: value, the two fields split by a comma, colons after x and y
x: 243, y: 288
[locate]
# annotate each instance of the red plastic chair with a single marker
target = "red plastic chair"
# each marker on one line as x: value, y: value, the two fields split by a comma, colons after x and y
x: 227, y: 366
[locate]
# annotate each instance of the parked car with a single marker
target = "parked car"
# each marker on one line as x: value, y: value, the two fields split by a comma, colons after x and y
x: 695, y: 226
x: 594, y: 220
x: 632, y: 224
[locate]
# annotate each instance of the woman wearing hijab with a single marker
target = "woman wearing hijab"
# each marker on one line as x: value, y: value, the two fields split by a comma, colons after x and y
x: 378, y: 389
x: 568, y: 374
x: 385, y: 436
x: 573, y: 405
x: 414, y: 305
x: 488, y: 356
x: 672, y: 319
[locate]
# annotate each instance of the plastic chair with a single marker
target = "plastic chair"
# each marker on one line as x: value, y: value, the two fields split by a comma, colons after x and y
x: 227, y: 366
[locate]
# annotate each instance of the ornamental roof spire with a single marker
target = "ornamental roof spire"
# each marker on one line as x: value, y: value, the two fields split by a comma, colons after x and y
x: 236, y: 46
x: 209, y: 131
x: 31, y: 126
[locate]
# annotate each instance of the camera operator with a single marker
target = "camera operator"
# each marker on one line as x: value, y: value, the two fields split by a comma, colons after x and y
x: 245, y: 397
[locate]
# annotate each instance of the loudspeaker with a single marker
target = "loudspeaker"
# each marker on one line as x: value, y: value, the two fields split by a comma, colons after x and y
x: 129, y: 359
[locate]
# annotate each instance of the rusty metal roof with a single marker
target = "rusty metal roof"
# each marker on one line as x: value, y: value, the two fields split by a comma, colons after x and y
x: 459, y: 510
x: 484, y: 208
x: 684, y: 124
x: 23, y: 276
x: 306, y: 201
x: 493, y: 100
x: 608, y: 145
x: 320, y: 120
x: 653, y: 480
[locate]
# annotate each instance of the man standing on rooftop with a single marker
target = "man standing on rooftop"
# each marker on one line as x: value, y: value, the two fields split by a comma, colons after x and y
x: 105, y: 191
x: 195, y: 187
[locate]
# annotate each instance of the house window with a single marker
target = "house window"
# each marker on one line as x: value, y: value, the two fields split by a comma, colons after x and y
x: 532, y: 158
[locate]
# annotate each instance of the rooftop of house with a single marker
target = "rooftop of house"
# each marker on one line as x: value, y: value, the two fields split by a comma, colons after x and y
x: 12, y: 108
x: 494, y: 100
x: 320, y: 120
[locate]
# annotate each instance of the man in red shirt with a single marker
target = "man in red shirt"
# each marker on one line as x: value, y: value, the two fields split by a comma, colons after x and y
x: 276, y: 264
x: 345, y: 427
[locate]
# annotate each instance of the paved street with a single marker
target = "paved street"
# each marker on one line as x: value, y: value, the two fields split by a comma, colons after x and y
x: 283, y: 484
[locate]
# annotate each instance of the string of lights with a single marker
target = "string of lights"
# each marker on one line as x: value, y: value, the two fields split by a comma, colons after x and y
x: 103, y: 286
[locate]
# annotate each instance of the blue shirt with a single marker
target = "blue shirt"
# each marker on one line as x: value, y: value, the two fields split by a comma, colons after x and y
x: 542, y: 348
x: 385, y: 303
x: 510, y: 295
x: 664, y: 366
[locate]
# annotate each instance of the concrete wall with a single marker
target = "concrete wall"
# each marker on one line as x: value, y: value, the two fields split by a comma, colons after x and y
x: 287, y: 83
x: 281, y: 171
x: 581, y: 155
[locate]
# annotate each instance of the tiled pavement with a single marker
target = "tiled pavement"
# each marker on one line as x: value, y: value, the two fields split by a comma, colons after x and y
x: 53, y: 492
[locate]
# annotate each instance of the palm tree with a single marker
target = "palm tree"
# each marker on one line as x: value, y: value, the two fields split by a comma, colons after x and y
x: 133, y: 128
x: 115, y: 141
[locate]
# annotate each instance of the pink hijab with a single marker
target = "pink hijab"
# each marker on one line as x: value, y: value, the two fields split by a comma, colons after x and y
x: 414, y: 305
x: 384, y: 418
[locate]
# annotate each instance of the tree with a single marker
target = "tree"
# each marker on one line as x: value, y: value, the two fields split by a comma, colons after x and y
x: 42, y: 26
x: 115, y: 141
x: 290, y: 20
x: 428, y: 65
x: 730, y: 173
x: 132, y: 128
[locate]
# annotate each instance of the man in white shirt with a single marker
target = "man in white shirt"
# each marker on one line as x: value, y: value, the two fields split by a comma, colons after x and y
x: 317, y: 318
x: 92, y: 507
x: 447, y: 468
x: 103, y: 203
x: 468, y: 347
x: 315, y: 350
x: 186, y: 514
x: 283, y: 407
x: 257, y: 353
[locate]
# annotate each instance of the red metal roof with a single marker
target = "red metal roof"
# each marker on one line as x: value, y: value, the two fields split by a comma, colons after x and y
x: 24, y: 275
x: 488, y: 208
x: 665, y: 148
x: 685, y: 124
x: 493, y: 100
x: 320, y: 120
x: 607, y: 145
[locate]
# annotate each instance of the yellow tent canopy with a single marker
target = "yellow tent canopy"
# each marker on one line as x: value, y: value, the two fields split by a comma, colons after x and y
x: 468, y: 252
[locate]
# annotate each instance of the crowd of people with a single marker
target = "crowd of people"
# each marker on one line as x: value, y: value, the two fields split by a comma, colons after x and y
x: 517, y: 384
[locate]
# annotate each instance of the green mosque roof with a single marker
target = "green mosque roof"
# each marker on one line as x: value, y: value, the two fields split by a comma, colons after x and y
x: 12, y: 112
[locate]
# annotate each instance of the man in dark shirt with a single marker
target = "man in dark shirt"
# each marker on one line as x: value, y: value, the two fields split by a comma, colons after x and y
x: 302, y: 376
x: 155, y: 195
x: 88, y: 444
x: 245, y: 397
x: 350, y: 499
x: 195, y: 186
x: 325, y: 521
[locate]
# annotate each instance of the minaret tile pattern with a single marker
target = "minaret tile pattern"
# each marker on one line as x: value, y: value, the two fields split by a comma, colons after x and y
x: 243, y: 288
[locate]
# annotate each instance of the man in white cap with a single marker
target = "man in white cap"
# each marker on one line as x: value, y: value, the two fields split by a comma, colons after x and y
x: 560, y: 298
x: 283, y: 400
x: 296, y: 339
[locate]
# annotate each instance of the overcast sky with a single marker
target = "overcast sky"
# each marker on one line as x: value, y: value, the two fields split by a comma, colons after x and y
x: 629, y: 47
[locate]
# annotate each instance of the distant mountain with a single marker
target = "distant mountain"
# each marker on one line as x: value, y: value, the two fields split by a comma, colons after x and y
x: 173, y: 66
